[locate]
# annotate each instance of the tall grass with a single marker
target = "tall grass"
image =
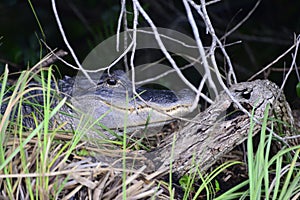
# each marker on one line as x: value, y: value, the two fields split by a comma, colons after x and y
x: 269, y: 177
x: 34, y: 162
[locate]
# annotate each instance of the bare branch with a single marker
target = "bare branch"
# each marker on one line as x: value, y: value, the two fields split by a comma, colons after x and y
x: 242, y: 21
x: 62, y: 32
x: 122, y: 12
x: 162, y: 47
x: 273, y: 62
x: 199, y: 44
x: 293, y: 62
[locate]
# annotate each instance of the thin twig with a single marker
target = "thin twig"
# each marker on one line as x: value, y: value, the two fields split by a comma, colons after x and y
x: 162, y: 47
x: 199, y: 45
x: 54, y: 57
x: 135, y: 23
x: 231, y: 75
x: 292, y: 64
x: 62, y: 32
x: 242, y: 21
x: 273, y: 62
x: 122, y: 12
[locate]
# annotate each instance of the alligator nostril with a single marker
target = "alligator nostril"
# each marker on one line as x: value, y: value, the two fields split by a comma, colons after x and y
x: 111, y: 81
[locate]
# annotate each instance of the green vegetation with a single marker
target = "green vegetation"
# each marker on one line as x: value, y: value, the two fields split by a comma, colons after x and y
x: 41, y: 154
x: 33, y: 152
x: 298, y: 89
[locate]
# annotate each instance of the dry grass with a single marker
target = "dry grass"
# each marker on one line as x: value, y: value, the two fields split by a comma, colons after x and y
x: 77, y: 177
x: 73, y: 175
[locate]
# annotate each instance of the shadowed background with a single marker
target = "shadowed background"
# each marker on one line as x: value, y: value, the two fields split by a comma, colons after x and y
x: 268, y: 32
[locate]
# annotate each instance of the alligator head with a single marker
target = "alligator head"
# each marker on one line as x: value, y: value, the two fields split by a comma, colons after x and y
x: 114, y: 103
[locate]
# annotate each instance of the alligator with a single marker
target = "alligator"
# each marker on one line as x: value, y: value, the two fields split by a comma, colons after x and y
x: 111, y: 101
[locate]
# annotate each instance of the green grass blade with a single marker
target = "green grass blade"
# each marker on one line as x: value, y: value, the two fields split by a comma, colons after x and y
x: 31, y: 135
x: 284, y: 192
x: 252, y: 175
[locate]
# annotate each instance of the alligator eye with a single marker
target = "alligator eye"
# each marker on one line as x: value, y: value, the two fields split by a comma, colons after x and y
x: 111, y: 81
x: 246, y: 94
